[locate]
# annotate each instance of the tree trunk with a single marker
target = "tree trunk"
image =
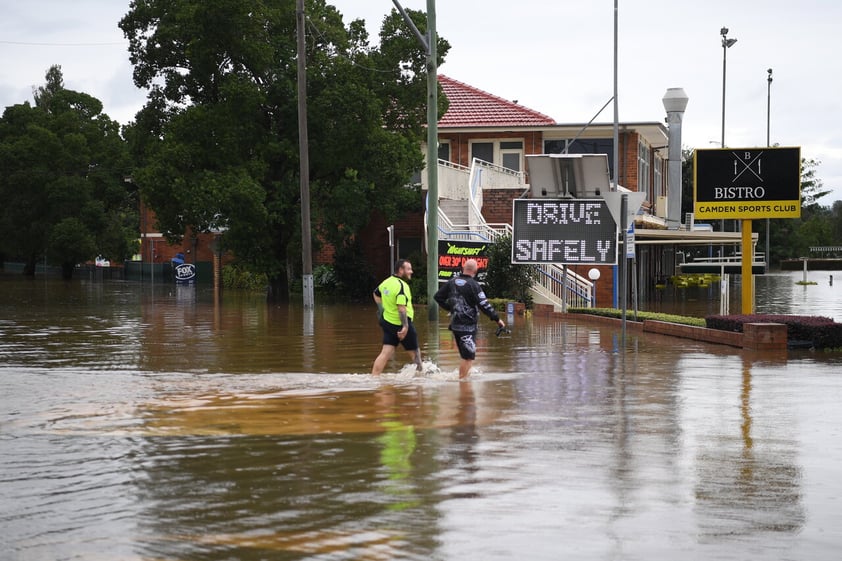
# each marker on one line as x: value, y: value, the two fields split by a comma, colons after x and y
x: 279, y: 288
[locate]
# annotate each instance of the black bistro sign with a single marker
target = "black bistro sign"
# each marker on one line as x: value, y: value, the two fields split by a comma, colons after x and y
x: 747, y: 183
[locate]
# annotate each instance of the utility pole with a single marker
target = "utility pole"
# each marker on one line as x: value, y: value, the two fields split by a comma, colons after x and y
x: 304, y: 163
x: 616, y: 136
x: 429, y: 43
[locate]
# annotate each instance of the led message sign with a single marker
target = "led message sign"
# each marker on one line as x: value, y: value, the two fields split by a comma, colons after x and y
x: 564, y: 232
x: 454, y: 253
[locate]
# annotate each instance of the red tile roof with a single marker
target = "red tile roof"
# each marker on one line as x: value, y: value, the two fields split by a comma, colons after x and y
x: 472, y: 107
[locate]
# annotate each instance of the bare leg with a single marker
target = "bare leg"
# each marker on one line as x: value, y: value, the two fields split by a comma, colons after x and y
x: 416, y: 358
x: 465, y: 367
x: 382, y: 359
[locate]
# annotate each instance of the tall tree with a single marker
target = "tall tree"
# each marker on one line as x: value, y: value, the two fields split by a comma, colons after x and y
x: 63, y: 163
x: 218, y: 139
x: 836, y: 219
x: 54, y: 84
x: 812, y: 187
x: 792, y: 237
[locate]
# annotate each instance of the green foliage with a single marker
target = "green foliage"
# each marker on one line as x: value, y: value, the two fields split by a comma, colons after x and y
x: 818, y: 225
x: 505, y: 279
x: 62, y: 186
x: 687, y: 163
x: 238, y: 277
x: 354, y: 278
x: 324, y: 279
x: 218, y: 138
x: 70, y: 242
x: 812, y: 187
x: 418, y: 283
x: 641, y: 316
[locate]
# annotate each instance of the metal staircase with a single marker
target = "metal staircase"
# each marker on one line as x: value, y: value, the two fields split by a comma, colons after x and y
x: 460, y: 218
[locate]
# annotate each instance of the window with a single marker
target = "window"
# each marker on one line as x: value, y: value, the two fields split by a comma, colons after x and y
x: 511, y: 154
x: 657, y: 178
x: 582, y: 146
x: 483, y: 150
x: 643, y: 156
x: 444, y: 150
x: 505, y: 153
x: 554, y: 146
x: 408, y: 246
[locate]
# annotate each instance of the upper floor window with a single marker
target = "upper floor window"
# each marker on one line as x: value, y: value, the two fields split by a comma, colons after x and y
x: 658, y: 177
x: 643, y: 155
x: 483, y: 151
x: 510, y: 155
x: 582, y: 146
x: 505, y: 153
x: 444, y: 150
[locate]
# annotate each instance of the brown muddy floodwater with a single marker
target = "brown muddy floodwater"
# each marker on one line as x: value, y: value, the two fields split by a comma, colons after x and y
x: 146, y: 423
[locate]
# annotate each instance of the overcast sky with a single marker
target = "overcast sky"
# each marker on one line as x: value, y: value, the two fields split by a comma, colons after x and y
x: 555, y: 57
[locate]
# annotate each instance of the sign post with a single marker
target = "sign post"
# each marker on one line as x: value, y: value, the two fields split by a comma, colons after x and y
x: 747, y: 183
x: 747, y: 292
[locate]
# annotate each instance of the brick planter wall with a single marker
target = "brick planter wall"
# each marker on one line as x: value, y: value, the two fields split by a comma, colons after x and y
x: 731, y: 338
x: 756, y: 336
x: 764, y: 336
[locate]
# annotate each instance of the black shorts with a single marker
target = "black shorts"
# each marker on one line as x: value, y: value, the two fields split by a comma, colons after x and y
x: 390, y: 335
x: 466, y: 344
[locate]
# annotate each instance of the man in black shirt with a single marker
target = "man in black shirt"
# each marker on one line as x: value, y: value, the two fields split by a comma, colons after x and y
x: 464, y: 298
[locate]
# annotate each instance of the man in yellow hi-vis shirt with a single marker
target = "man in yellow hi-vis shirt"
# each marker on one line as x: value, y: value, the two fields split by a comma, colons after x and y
x: 394, y: 300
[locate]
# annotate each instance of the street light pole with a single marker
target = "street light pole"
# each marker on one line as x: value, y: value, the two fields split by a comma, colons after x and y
x: 768, y: 143
x: 726, y: 44
x: 768, y: 102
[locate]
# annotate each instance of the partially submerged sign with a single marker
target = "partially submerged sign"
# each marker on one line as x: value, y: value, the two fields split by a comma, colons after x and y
x: 563, y: 231
x: 747, y: 183
x: 185, y: 273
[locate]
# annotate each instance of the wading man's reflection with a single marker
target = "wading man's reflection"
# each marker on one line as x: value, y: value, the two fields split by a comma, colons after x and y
x: 397, y: 446
x: 461, y: 452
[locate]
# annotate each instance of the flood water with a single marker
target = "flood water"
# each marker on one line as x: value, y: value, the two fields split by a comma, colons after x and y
x: 775, y: 293
x: 149, y: 423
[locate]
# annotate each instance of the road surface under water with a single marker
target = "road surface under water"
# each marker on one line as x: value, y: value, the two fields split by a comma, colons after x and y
x: 148, y: 423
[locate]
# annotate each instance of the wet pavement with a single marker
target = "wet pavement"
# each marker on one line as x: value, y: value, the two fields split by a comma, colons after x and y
x: 147, y: 423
